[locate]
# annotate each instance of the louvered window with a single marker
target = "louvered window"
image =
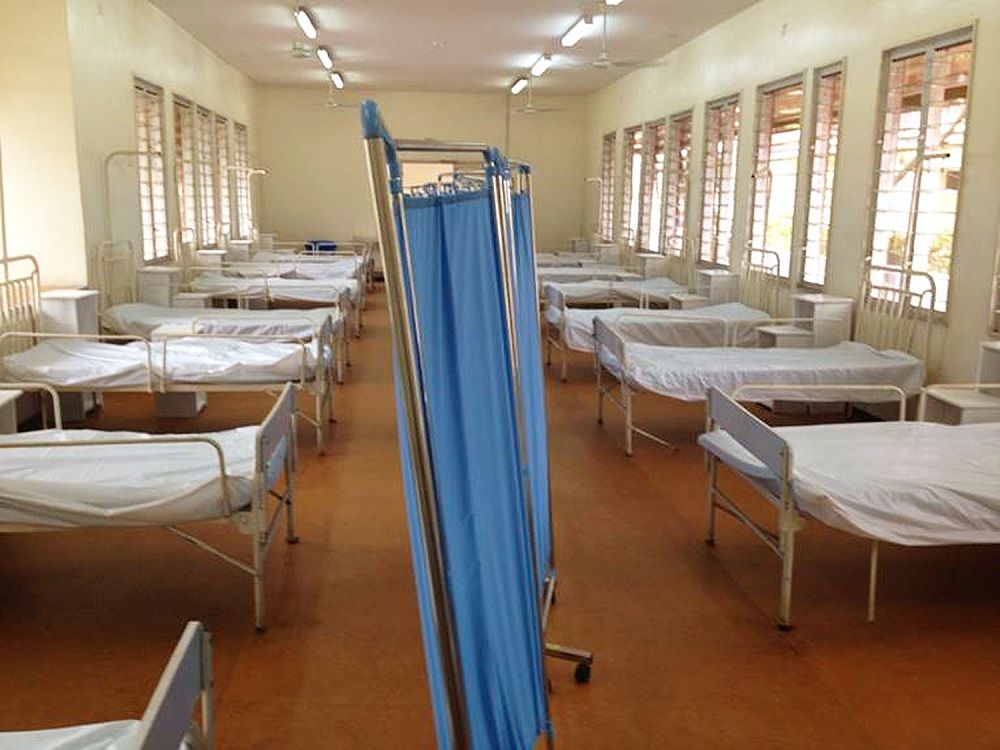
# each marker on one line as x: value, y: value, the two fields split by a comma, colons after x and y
x: 152, y: 180
x: 776, y: 169
x: 651, y: 218
x: 631, y: 186
x: 607, y: 217
x: 223, y: 174
x: 208, y: 225
x: 241, y: 162
x: 184, y: 168
x: 829, y: 92
x: 925, y: 115
x: 677, y: 185
x: 722, y: 128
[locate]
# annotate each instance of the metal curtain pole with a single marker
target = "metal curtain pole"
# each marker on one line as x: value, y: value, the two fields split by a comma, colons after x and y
x: 406, y: 353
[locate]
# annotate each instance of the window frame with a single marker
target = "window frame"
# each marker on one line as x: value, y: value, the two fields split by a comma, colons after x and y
x: 628, y: 184
x: 205, y: 170
x: 818, y: 74
x: 653, y: 171
x: 187, y: 211
x: 223, y: 160
x: 606, y: 207
x: 244, y: 196
x: 964, y: 35
x: 673, y: 183
x: 732, y: 100
x: 144, y: 93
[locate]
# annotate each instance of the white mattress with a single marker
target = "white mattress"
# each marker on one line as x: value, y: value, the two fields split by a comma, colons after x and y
x: 279, y: 288
x: 73, y: 363
x: 122, y: 485
x: 310, y: 267
x: 140, y: 319
x: 596, y: 272
x: 114, y: 735
x: 704, y: 327
x: 687, y: 374
x: 901, y: 482
x: 657, y: 289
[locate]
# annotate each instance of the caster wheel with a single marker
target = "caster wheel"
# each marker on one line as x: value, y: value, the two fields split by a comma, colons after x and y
x: 581, y: 675
x: 293, y: 540
x: 259, y: 629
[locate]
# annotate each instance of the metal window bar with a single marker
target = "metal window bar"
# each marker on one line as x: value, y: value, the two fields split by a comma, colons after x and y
x: 150, y: 171
x: 631, y: 186
x: 607, y: 212
x: 241, y: 164
x: 206, y: 160
x: 677, y: 186
x: 654, y: 155
x: 184, y: 166
x: 222, y: 164
x: 719, y: 184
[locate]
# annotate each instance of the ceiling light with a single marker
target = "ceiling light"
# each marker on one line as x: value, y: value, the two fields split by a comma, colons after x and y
x: 519, y: 85
x: 338, y: 80
x: 542, y: 64
x: 612, y: 2
x: 323, y: 53
x: 580, y: 29
x: 304, y: 19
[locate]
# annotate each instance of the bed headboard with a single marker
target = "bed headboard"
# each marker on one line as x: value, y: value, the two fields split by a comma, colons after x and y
x: 117, y: 265
x: 895, y: 309
x: 680, y: 267
x: 761, y: 283
x: 20, y: 300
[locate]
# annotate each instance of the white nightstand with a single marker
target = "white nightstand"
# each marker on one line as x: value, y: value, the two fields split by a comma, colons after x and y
x: 155, y: 285
x: 968, y: 406
x: 8, y: 411
x: 685, y: 301
x: 785, y: 337
x: 652, y: 264
x: 718, y: 284
x: 193, y: 299
x: 72, y: 311
x: 831, y: 316
x: 210, y: 257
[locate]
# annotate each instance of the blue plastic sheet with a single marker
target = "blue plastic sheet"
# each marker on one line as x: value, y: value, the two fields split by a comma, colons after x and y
x: 532, y: 380
x: 471, y: 414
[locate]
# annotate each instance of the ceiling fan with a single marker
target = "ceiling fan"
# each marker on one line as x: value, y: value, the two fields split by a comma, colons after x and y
x: 530, y: 108
x: 604, y: 60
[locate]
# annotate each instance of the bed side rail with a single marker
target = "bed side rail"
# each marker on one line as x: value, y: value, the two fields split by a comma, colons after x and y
x: 38, y: 388
x: 833, y: 392
x: 274, y: 436
x: 259, y: 338
x: 606, y: 336
x: 724, y: 413
x: 186, y: 680
x: 554, y: 297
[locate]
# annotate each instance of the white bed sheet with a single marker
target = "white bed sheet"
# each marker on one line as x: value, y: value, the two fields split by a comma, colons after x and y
x: 901, y: 482
x: 122, y: 485
x: 596, y: 272
x: 657, y: 289
x: 704, y: 327
x: 309, y: 267
x: 73, y: 363
x: 280, y: 289
x: 114, y: 735
x: 140, y: 319
x: 688, y: 373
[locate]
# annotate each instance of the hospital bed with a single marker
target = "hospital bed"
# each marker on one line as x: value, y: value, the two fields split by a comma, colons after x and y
x: 593, y: 272
x: 715, y: 325
x: 187, y: 681
x: 892, y: 338
x: 908, y: 483
x: 156, y: 321
x: 60, y: 479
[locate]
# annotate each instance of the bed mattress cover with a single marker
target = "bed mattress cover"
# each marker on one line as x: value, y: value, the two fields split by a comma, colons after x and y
x: 141, y: 319
x: 916, y: 484
x: 74, y: 363
x: 703, y: 327
x: 274, y: 264
x: 596, y: 272
x: 657, y: 289
x: 688, y: 373
x: 327, y: 290
x: 121, y: 485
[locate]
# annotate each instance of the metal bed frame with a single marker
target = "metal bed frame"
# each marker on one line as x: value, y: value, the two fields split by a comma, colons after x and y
x: 274, y: 460
x: 725, y: 413
x: 20, y: 325
x: 386, y: 182
x: 888, y: 317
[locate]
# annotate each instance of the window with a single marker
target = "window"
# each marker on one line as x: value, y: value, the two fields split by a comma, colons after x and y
x: 652, y: 186
x: 184, y: 167
x: 677, y: 184
x: 152, y: 181
x: 829, y: 92
x: 925, y: 115
x: 607, y: 212
x: 208, y: 235
x: 776, y: 170
x: 222, y: 172
x: 631, y: 185
x: 241, y: 163
x: 722, y: 127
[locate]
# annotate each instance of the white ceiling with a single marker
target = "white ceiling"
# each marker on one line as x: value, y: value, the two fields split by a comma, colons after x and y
x: 441, y: 45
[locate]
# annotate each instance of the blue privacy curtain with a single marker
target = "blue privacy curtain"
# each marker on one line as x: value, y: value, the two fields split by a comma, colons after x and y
x: 532, y: 381
x: 464, y: 357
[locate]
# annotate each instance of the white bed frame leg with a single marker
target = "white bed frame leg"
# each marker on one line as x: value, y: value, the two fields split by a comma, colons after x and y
x: 548, y: 349
x: 289, y: 499
x: 320, y: 417
x: 259, y: 553
x: 788, y: 523
x: 207, y: 693
x: 713, y: 469
x: 627, y: 393
x: 563, y: 374
x: 341, y: 356
x: 872, y: 579
x: 600, y: 392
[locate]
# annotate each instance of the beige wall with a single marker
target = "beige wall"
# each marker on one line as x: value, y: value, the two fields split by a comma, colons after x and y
x: 778, y: 38
x: 40, y: 177
x: 111, y: 43
x: 317, y: 184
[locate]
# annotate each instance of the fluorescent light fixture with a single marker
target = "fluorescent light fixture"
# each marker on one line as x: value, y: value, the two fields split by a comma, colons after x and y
x: 338, y: 80
x: 305, y: 21
x: 519, y: 85
x: 613, y: 3
x: 580, y: 29
x: 542, y: 64
x: 323, y: 53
